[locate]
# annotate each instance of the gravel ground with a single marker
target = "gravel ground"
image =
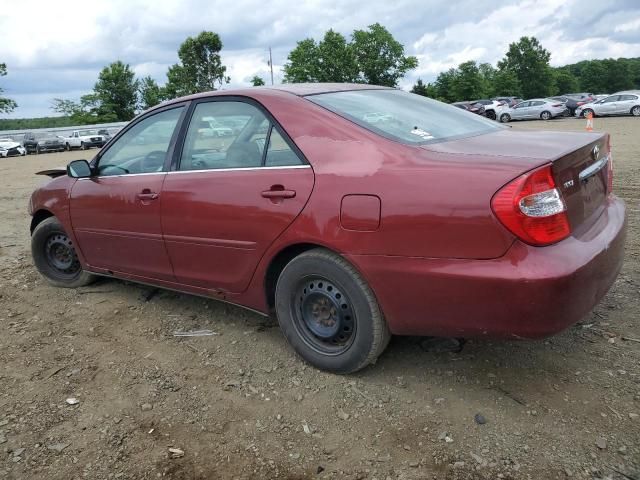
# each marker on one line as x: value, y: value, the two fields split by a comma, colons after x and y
x: 240, y: 404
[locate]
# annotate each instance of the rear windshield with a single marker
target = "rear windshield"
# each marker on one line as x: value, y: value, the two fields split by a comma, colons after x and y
x: 405, y: 117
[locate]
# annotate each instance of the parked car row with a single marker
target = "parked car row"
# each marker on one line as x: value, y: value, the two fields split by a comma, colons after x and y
x: 42, y: 142
x: 11, y: 148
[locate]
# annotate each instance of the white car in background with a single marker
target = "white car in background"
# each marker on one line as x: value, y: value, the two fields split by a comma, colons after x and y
x: 11, y: 148
x: 534, y: 109
x: 621, y: 103
x: 492, y: 108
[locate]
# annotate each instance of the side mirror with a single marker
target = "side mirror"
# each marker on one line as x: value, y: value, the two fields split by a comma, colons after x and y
x: 79, y: 169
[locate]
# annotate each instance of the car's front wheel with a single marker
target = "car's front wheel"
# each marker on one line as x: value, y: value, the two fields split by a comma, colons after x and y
x: 329, y: 314
x: 55, y: 256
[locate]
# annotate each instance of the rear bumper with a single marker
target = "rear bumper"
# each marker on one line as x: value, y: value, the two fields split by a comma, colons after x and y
x: 530, y: 292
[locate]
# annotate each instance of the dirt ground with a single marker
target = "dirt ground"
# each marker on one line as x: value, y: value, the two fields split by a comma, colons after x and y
x: 240, y: 404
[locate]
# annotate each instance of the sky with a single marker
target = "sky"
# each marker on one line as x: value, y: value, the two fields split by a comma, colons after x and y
x: 55, y: 49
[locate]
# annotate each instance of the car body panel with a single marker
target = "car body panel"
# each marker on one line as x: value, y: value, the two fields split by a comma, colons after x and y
x: 620, y: 103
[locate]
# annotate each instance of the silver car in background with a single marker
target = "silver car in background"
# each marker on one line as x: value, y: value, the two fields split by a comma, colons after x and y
x: 534, y: 109
x: 621, y: 103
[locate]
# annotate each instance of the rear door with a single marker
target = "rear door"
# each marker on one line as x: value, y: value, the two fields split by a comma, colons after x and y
x: 625, y: 103
x: 228, y: 198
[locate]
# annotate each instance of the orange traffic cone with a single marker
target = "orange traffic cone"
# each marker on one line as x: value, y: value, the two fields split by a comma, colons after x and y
x: 589, y: 117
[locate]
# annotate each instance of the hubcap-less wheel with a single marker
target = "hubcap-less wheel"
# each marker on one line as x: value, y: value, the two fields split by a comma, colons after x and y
x: 635, y: 111
x: 491, y: 115
x: 323, y: 316
x: 61, y: 256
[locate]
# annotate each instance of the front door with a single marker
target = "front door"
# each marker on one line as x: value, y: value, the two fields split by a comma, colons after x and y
x: 231, y: 195
x: 608, y: 106
x: 116, y: 213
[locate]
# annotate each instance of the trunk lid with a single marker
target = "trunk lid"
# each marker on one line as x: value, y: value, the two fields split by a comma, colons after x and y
x: 582, y: 178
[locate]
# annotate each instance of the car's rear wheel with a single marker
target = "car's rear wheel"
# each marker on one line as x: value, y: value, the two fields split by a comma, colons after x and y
x: 505, y: 118
x: 329, y: 314
x: 55, y: 256
x: 37, y: 150
x: 491, y: 115
x: 545, y: 115
x: 635, y: 111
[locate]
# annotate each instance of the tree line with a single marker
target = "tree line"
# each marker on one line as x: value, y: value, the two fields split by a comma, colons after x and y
x: 525, y: 72
x: 371, y: 56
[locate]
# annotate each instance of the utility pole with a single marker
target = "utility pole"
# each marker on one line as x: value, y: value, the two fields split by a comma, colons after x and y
x: 271, y: 65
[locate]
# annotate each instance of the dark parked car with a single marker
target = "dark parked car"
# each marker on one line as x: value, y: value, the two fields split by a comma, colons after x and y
x: 48, y: 142
x: 477, y: 108
x: 571, y: 102
x: 29, y: 142
x: 349, y: 230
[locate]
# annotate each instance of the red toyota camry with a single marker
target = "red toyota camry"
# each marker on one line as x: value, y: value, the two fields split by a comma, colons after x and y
x: 353, y: 212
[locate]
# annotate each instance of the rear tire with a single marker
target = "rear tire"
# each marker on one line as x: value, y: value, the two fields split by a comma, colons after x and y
x: 505, y: 118
x: 491, y: 115
x: 545, y: 115
x: 55, y: 257
x: 635, y: 111
x: 329, y: 314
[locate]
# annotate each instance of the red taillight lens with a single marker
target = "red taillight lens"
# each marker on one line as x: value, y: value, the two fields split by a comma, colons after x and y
x: 558, y: 105
x: 532, y: 208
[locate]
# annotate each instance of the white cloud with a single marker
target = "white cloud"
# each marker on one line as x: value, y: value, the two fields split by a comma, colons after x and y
x: 61, y: 48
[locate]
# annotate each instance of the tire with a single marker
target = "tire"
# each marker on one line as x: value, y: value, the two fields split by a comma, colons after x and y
x: 491, y: 115
x: 37, y: 150
x: 505, y: 118
x: 545, y: 115
x: 52, y: 251
x: 635, y: 111
x: 67, y: 147
x: 353, y: 332
x: 586, y: 111
x: 82, y: 146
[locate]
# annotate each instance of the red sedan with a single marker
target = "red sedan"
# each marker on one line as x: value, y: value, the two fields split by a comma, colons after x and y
x: 353, y: 212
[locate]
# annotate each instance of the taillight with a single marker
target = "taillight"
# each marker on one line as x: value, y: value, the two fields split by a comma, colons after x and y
x: 532, y: 208
x: 558, y: 105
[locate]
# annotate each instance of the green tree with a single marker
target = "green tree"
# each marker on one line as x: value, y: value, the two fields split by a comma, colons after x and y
x: 529, y: 62
x: 200, y: 68
x: 444, y: 85
x: 330, y: 60
x: 86, y: 111
x: 381, y: 59
x: 151, y: 93
x: 257, y: 81
x: 372, y: 56
x: 506, y: 83
x: 6, y: 104
x: 117, y: 92
x: 424, y: 89
x: 565, y: 82
x: 467, y: 82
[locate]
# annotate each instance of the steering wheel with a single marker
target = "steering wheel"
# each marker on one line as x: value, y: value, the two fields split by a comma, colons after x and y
x: 153, y: 161
x: 102, y: 167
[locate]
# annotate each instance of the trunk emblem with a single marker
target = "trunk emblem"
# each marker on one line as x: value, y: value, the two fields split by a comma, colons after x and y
x: 568, y: 184
x: 595, y: 152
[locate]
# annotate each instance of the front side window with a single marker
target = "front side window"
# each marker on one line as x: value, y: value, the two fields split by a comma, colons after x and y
x: 613, y: 98
x: 232, y: 134
x: 404, y: 117
x: 142, y: 148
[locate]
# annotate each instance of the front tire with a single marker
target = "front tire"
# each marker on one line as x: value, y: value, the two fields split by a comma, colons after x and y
x: 67, y: 147
x: 55, y: 257
x: 545, y: 115
x: 83, y: 146
x: 329, y: 314
x: 505, y: 118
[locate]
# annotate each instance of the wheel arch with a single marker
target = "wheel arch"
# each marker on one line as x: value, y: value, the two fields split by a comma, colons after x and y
x: 38, y: 217
x: 277, y: 264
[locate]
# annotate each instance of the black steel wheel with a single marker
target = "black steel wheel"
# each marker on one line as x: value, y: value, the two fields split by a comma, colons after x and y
x: 55, y: 256
x: 491, y: 115
x: 328, y: 313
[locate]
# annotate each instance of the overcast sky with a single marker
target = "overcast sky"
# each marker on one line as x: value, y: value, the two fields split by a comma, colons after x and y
x: 56, y: 48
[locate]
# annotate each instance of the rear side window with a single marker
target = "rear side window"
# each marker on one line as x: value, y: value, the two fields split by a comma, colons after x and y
x: 233, y: 134
x: 404, y: 117
x: 628, y: 97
